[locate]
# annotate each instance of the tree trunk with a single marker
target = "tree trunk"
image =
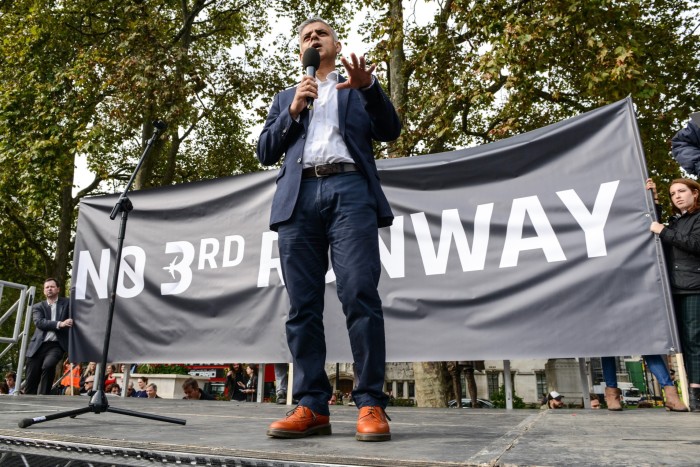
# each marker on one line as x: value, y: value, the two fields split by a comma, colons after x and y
x: 144, y: 178
x: 432, y: 384
x: 471, y: 386
x: 455, y: 371
x: 398, y: 76
x: 64, y: 245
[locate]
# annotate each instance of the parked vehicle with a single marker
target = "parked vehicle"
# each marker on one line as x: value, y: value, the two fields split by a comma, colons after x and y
x: 467, y: 403
x: 630, y: 394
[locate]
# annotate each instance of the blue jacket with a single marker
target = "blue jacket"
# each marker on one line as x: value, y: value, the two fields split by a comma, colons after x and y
x: 363, y: 116
x: 686, y: 148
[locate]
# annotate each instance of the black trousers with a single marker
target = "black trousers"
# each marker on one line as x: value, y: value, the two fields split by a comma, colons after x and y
x: 41, y: 368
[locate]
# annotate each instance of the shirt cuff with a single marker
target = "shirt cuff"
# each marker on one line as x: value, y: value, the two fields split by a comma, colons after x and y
x: 374, y: 80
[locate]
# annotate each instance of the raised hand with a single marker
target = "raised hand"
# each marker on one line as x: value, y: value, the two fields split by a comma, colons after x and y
x: 359, y: 76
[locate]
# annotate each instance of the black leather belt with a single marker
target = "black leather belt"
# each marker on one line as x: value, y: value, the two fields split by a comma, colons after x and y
x: 325, y: 170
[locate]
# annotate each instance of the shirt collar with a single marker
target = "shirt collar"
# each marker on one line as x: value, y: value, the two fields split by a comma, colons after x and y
x: 333, y: 75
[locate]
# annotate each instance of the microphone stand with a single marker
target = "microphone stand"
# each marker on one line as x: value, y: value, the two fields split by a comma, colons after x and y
x: 98, y: 401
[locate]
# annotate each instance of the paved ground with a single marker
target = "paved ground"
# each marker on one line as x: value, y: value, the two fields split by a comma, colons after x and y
x: 229, y: 433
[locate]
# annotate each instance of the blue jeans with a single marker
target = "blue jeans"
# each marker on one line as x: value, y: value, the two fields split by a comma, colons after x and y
x: 336, y: 213
x: 655, y: 363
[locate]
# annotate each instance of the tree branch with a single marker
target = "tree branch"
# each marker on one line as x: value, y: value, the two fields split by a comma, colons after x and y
x: 85, y: 191
x: 28, y: 236
x: 562, y: 98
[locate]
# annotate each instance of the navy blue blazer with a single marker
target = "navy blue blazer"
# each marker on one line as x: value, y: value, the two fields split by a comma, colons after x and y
x: 363, y: 115
x: 41, y: 315
x: 686, y: 148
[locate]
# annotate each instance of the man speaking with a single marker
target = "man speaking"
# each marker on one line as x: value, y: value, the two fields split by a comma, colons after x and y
x: 328, y: 196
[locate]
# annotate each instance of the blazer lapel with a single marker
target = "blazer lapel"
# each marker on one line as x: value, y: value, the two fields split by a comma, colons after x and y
x: 343, y: 98
x: 61, y: 310
x: 46, y: 309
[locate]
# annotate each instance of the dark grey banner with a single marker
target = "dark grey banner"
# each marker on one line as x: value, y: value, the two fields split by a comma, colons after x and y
x: 537, y: 246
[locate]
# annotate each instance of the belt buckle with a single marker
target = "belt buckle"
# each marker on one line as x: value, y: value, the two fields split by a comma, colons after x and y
x: 319, y: 175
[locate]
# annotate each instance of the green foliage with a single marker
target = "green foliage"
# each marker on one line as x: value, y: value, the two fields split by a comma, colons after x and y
x: 86, y: 79
x: 162, y: 369
x: 499, y: 399
x: 487, y: 70
x: 400, y: 402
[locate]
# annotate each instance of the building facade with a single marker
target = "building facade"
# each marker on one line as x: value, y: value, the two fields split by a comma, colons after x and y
x: 531, y: 379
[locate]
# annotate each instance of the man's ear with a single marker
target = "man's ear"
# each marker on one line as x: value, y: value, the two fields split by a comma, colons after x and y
x: 338, y: 48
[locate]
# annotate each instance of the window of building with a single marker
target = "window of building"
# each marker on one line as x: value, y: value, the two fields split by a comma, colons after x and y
x: 399, y: 389
x: 492, y: 382
x: 596, y: 371
x: 541, y: 378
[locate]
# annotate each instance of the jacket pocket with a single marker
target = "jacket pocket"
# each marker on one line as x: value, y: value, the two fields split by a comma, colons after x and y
x: 685, y: 277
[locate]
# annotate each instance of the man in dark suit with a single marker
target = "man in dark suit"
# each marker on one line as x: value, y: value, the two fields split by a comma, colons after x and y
x: 328, y: 196
x: 50, y: 339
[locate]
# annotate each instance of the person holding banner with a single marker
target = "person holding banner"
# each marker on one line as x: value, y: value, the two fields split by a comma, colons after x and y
x: 328, y: 196
x: 50, y: 340
x: 681, y: 238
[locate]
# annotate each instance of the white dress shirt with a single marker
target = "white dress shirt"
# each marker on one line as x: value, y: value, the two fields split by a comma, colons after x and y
x: 324, y: 143
x: 51, y: 335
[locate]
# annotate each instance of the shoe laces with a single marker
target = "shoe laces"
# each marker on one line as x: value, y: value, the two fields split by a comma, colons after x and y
x: 300, y: 415
x: 372, y: 411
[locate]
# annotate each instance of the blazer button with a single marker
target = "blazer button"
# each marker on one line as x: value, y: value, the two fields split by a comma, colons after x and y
x: 299, y: 161
x: 303, y: 136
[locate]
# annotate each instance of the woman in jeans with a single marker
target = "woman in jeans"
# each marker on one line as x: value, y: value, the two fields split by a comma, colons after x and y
x: 681, y: 241
x: 657, y: 366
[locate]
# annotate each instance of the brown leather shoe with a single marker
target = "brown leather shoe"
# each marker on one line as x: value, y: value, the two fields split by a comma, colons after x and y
x: 372, y: 425
x: 673, y: 401
x: 299, y: 423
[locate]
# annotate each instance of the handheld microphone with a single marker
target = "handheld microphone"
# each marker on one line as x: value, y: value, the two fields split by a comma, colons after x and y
x: 311, y: 60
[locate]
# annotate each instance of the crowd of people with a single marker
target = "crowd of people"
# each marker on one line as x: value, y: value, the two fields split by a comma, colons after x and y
x: 241, y: 383
x: 80, y: 380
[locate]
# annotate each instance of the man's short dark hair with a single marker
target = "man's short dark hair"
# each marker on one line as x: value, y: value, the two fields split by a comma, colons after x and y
x: 316, y: 19
x: 49, y: 279
x: 190, y: 383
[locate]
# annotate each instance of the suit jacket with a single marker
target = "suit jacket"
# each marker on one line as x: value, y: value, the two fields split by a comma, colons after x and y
x: 363, y: 115
x: 41, y: 315
x: 686, y: 148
